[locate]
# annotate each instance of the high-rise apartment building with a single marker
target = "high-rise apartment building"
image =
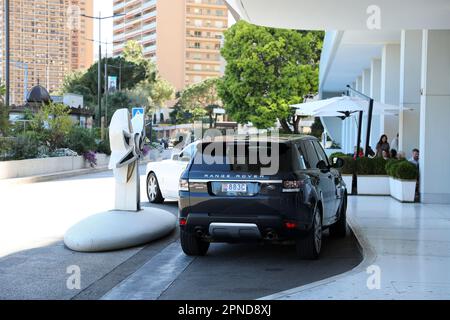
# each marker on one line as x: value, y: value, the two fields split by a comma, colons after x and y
x: 183, y: 37
x: 47, y: 41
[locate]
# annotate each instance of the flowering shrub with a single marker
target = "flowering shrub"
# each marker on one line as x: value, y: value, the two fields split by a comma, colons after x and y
x: 146, y: 150
x: 91, y: 157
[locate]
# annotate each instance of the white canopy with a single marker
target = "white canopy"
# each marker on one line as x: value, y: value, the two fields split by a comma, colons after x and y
x: 344, y: 14
x: 342, y: 106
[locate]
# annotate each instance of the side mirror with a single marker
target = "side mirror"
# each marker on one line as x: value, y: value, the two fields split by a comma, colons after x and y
x: 322, y: 166
x: 338, y: 163
x: 175, y: 157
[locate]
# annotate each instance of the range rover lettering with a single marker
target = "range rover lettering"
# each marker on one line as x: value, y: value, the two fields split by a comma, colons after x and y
x: 226, y: 195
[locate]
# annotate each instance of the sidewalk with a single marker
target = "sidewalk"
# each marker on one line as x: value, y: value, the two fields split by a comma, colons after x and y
x: 410, y: 243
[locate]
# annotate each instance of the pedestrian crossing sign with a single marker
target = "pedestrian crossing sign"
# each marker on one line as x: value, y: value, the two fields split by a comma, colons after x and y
x: 136, y: 111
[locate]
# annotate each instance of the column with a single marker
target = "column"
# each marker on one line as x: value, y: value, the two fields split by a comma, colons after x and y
x: 410, y: 71
x: 365, y: 89
x: 390, y: 87
x: 375, y: 93
x: 435, y: 117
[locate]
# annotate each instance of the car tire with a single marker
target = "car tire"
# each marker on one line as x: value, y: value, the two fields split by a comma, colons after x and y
x: 309, y: 247
x: 193, y: 245
x: 154, y: 194
x: 339, y: 228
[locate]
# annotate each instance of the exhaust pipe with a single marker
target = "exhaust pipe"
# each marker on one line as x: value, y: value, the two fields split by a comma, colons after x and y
x: 271, y: 235
x: 199, y: 232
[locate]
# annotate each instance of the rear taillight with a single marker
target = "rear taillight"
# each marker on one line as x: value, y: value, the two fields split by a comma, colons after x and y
x: 292, y: 185
x: 290, y: 225
x: 184, y: 185
x: 183, y: 221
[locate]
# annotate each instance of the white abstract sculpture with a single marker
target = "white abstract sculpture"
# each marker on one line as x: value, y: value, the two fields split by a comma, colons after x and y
x: 126, y: 139
x: 128, y: 224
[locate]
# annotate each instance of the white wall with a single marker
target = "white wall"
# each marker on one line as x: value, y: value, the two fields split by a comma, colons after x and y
x: 33, y: 167
x: 410, y: 77
x: 435, y: 117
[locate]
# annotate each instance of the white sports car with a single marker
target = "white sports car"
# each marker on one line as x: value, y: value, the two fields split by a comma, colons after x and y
x: 163, y: 176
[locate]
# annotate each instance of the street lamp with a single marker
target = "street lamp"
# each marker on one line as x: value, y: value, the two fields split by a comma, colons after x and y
x: 99, y: 80
x: 106, y: 76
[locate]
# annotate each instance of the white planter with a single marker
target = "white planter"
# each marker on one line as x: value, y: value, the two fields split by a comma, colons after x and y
x: 373, y: 185
x: 348, y: 181
x: 403, y: 190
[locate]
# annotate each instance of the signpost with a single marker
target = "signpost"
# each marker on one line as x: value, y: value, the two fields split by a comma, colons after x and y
x: 137, y: 110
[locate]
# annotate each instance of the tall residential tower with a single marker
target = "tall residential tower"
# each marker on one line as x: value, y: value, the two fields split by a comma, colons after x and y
x: 183, y: 37
x: 47, y: 40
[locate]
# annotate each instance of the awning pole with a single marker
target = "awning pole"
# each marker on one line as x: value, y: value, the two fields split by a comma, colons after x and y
x: 358, y: 143
x: 369, y: 128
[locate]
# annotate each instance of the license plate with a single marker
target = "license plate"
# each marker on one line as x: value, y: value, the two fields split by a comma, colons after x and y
x: 234, y: 187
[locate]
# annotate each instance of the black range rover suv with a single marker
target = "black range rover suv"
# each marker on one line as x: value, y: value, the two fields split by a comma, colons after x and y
x: 226, y: 197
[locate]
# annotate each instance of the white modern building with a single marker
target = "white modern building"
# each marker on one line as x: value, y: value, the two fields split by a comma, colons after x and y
x: 397, y: 52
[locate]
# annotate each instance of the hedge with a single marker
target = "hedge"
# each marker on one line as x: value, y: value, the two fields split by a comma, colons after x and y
x: 402, y: 169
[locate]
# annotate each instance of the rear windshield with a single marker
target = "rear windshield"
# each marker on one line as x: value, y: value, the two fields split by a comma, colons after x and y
x: 242, y: 157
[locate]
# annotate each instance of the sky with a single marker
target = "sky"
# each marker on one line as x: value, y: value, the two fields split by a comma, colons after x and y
x: 106, y: 9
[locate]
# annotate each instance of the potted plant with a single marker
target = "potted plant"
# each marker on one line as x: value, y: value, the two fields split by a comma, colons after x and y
x: 372, y: 177
x: 347, y: 169
x: 403, y: 180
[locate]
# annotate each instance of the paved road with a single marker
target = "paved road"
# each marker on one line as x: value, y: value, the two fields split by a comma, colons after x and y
x: 34, y: 261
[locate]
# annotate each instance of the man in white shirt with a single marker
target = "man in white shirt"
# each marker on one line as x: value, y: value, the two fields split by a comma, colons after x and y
x: 415, y: 157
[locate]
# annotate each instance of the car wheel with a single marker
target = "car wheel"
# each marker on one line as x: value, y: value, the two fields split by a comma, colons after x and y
x: 339, y: 228
x: 153, y: 191
x: 309, y: 247
x: 193, y: 245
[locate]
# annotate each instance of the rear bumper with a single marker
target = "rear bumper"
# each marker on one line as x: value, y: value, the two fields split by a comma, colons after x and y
x: 235, y: 228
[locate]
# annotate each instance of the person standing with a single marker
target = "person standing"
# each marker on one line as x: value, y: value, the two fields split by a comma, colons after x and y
x: 383, y: 145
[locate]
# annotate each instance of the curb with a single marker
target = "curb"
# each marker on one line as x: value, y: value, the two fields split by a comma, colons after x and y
x: 369, y: 257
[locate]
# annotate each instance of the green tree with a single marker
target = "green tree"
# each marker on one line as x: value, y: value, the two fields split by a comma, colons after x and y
x: 161, y: 92
x: 2, y: 91
x: 152, y: 94
x: 4, y: 112
x: 133, y: 52
x: 180, y: 114
x: 201, y: 99
x: 116, y: 100
x: 267, y: 71
x: 51, y: 124
x: 317, y: 128
x: 85, y: 83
